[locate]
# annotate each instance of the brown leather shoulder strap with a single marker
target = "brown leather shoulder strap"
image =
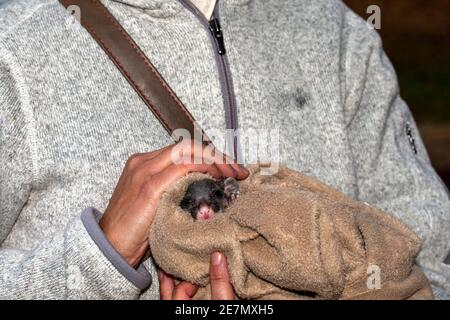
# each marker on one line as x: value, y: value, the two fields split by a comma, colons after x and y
x: 135, y: 66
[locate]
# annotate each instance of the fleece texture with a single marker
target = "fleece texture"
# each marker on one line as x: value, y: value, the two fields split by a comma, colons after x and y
x: 290, y: 236
x: 309, y: 69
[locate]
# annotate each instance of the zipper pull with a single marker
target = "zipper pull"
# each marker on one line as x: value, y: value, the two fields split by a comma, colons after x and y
x: 216, y: 30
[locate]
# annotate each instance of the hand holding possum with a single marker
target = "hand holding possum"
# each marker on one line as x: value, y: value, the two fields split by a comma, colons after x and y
x: 132, y: 207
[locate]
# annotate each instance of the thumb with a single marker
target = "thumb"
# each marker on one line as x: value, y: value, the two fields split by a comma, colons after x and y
x: 221, y: 288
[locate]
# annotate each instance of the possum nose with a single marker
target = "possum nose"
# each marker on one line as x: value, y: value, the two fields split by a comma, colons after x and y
x: 205, y: 212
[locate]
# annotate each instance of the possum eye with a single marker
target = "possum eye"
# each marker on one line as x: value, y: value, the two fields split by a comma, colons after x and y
x: 186, y: 202
x: 217, y: 194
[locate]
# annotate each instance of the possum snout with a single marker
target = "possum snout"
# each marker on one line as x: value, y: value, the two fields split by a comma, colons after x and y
x: 205, y: 212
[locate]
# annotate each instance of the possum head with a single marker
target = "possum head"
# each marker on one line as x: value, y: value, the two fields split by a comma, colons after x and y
x: 205, y: 198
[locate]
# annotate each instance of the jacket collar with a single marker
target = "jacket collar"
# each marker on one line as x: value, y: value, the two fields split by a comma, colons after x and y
x: 148, y: 4
x: 162, y: 9
x: 164, y: 4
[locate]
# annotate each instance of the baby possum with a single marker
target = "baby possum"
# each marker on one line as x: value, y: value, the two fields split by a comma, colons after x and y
x: 205, y: 198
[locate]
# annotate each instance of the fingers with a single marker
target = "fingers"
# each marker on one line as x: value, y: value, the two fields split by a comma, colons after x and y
x: 242, y: 172
x: 165, y: 166
x: 221, y: 288
x: 170, y: 175
x: 184, y: 291
x: 225, y: 164
x: 166, y: 286
x: 168, y: 290
x: 162, y: 160
x: 228, y: 166
x: 192, y: 152
x: 155, y: 153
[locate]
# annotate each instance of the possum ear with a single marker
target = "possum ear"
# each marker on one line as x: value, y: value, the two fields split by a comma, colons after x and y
x: 221, y: 183
x: 230, y: 188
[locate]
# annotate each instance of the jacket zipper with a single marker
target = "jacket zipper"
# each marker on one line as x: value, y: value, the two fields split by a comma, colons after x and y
x: 216, y: 35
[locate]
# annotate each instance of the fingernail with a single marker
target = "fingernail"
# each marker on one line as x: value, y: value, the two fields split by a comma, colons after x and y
x: 216, y: 258
x: 243, y: 168
x: 160, y: 275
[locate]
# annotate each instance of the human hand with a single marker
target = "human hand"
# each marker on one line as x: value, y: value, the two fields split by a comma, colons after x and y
x: 221, y: 288
x: 132, y: 207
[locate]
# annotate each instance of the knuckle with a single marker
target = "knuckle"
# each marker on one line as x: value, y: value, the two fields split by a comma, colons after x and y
x: 134, y: 161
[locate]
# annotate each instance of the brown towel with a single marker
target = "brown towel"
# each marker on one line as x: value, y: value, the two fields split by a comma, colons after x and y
x: 289, y: 236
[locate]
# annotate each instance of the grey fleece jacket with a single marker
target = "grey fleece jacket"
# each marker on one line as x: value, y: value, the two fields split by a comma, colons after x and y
x: 69, y: 121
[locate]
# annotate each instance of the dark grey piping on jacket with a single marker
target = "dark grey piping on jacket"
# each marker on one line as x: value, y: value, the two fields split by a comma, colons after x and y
x: 140, y: 276
x: 226, y: 81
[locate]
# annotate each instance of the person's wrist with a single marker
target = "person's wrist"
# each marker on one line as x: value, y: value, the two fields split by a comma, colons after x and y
x: 138, y: 276
x: 133, y: 254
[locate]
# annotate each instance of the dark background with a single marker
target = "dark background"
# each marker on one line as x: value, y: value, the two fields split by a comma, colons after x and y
x: 415, y: 36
